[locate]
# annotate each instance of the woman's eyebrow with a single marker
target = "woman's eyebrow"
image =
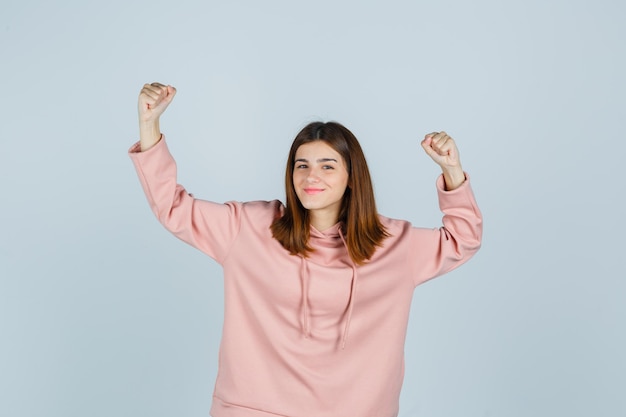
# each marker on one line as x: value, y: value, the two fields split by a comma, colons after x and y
x: 319, y: 160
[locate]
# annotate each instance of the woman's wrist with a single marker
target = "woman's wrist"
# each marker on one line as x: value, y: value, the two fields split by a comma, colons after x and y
x: 453, y: 177
x: 149, y: 134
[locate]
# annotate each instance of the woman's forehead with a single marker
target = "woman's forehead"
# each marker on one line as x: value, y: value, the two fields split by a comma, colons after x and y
x: 317, y: 149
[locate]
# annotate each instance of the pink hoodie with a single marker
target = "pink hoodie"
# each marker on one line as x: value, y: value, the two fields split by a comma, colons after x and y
x: 316, y: 336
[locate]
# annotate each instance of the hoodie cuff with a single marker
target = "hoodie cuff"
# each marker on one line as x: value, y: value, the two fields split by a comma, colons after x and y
x: 136, y: 148
x: 462, y: 196
x: 441, y: 184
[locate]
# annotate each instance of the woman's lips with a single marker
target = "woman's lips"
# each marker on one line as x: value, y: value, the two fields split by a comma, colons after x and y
x: 313, y: 190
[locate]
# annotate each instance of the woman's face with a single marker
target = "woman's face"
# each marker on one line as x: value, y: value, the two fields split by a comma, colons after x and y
x: 320, y: 178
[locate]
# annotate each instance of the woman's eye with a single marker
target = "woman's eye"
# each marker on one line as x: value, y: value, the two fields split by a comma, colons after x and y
x: 301, y: 166
x: 328, y: 167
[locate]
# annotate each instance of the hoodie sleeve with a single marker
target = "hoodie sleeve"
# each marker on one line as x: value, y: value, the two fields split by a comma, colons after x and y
x: 437, y: 251
x: 209, y: 227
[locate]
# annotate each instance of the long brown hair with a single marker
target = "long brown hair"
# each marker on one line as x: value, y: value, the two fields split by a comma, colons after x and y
x: 361, y: 226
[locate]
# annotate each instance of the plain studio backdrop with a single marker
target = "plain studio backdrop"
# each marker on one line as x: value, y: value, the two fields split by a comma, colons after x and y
x: 103, y: 313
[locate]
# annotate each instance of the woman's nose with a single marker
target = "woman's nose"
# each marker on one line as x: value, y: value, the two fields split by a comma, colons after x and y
x: 312, y: 177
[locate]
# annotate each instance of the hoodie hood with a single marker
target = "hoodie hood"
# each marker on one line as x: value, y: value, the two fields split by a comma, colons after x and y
x: 330, y: 249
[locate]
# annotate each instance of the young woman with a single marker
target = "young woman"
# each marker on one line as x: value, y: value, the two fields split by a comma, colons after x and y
x: 317, y: 291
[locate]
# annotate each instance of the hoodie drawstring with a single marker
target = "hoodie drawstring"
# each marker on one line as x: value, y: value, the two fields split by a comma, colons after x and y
x: 304, y: 276
x: 346, y: 329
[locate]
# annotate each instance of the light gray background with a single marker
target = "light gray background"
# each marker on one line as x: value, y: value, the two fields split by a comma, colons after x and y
x: 103, y: 313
